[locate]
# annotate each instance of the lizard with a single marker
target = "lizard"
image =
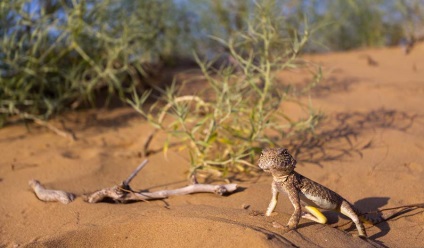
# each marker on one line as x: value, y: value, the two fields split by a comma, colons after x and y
x: 304, y: 191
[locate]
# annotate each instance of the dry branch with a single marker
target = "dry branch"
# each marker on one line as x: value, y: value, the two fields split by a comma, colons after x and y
x: 49, y: 194
x: 135, y: 172
x: 123, y: 193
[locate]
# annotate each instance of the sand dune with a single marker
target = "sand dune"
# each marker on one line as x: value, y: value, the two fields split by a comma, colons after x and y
x: 372, y: 153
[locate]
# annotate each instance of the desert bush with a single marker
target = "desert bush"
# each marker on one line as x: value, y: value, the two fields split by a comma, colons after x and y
x: 55, y: 55
x: 58, y: 54
x: 224, y: 127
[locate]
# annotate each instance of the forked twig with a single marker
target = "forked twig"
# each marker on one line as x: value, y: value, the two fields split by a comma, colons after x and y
x: 123, y: 193
x: 135, y: 172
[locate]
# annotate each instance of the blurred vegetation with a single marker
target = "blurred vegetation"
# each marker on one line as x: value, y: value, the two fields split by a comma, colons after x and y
x: 57, y: 55
x: 350, y: 24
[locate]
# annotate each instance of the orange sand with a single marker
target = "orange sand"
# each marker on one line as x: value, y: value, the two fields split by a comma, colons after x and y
x: 373, y: 155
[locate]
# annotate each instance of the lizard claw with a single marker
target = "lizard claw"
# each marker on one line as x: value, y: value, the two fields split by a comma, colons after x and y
x: 285, y: 228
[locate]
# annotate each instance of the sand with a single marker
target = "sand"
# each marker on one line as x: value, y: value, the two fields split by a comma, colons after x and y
x: 369, y: 148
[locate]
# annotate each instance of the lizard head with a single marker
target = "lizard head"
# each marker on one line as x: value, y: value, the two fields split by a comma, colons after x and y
x: 277, y: 161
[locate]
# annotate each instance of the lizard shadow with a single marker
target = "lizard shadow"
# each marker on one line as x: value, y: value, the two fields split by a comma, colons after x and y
x: 371, y: 204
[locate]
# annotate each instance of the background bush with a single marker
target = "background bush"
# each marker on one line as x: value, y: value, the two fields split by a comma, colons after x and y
x: 225, y: 124
x: 66, y: 54
x: 59, y: 54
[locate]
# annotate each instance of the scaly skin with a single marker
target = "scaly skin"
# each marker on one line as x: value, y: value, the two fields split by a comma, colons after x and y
x: 303, y: 191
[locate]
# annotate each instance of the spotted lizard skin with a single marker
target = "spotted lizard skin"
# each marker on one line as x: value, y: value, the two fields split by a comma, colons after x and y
x: 302, y: 190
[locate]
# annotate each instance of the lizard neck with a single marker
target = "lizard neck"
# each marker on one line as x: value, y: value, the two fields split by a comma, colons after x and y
x: 282, y: 177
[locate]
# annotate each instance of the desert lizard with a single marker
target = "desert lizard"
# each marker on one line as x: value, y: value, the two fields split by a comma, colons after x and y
x: 302, y: 190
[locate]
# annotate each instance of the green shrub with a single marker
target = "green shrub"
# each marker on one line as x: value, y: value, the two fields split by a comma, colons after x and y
x: 225, y: 126
x: 58, y: 54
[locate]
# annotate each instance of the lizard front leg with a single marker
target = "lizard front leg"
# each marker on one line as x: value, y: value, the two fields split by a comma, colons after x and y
x: 273, y: 201
x: 294, y: 198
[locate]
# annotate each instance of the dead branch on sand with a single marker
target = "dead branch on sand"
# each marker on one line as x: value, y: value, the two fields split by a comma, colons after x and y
x: 50, y: 194
x: 123, y: 193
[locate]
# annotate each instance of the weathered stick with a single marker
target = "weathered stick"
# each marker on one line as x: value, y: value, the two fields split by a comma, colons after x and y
x: 135, y: 172
x: 119, y: 194
x: 123, y: 193
x: 50, y: 195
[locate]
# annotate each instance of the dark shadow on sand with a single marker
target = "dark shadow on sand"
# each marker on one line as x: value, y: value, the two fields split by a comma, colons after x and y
x: 338, y: 137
